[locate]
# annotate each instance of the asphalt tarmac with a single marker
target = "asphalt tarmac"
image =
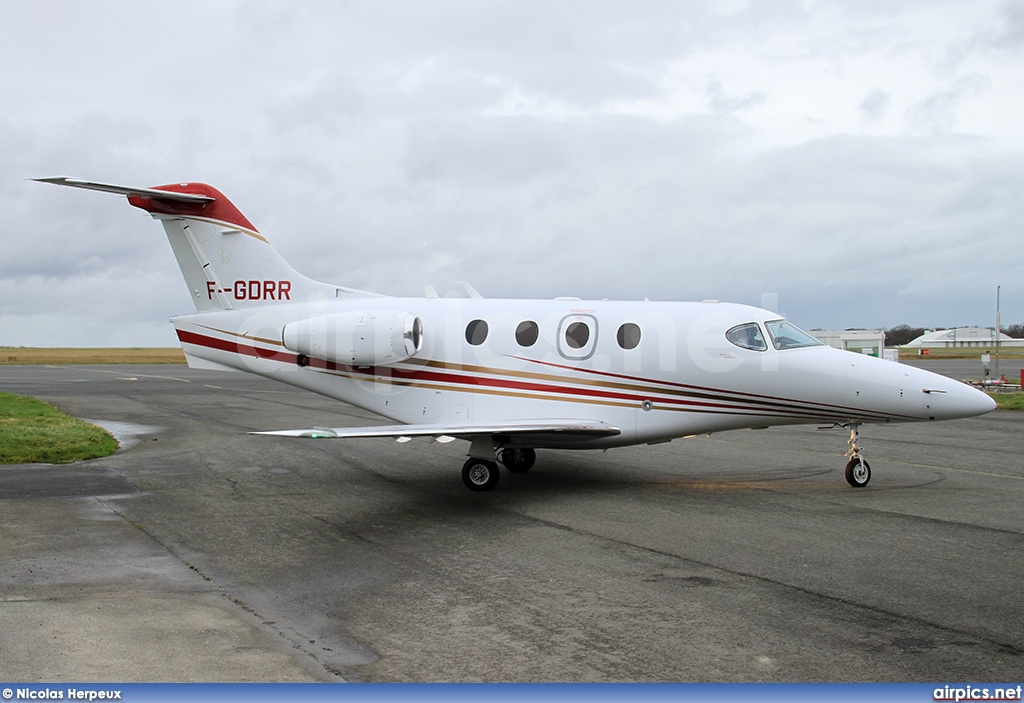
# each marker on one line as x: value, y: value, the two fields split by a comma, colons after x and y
x: 198, y: 553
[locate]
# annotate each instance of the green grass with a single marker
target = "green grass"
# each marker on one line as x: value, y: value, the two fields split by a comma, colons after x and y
x: 32, y: 431
x: 962, y: 353
x: 1009, y: 401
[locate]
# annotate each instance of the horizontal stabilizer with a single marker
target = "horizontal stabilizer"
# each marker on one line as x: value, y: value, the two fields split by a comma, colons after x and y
x: 583, y: 428
x: 127, y: 190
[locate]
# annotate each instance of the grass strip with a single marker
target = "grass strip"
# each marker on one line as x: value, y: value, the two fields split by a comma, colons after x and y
x: 962, y: 353
x: 55, y: 355
x: 1009, y: 401
x: 32, y: 431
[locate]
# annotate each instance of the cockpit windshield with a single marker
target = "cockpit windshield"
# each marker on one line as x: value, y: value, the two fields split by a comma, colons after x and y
x: 786, y: 335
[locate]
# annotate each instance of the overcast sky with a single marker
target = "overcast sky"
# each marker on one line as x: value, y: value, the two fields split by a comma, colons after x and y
x: 860, y: 162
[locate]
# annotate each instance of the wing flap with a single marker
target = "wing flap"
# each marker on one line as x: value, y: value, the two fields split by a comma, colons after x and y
x: 581, y: 428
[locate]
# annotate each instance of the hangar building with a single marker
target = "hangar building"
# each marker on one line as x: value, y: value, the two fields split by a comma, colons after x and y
x: 963, y: 337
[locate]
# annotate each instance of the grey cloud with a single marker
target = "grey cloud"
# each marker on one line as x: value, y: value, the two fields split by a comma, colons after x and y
x: 371, y: 143
x: 1009, y: 33
x: 723, y: 102
x: 938, y: 112
x: 875, y: 104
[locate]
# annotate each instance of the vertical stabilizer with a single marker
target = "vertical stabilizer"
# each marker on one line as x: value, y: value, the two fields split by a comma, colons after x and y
x: 226, y: 262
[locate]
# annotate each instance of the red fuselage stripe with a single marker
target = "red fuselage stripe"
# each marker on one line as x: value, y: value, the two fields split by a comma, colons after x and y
x: 726, y: 404
x: 756, y: 397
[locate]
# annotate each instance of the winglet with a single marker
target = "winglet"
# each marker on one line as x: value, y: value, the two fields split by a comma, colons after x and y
x: 126, y: 190
x: 175, y: 199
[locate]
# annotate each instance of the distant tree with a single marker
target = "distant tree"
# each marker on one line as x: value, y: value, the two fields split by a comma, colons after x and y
x: 1015, y: 331
x: 902, y: 334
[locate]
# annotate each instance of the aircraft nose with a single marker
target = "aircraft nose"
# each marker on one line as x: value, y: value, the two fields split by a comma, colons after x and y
x: 955, y: 399
x: 980, y: 403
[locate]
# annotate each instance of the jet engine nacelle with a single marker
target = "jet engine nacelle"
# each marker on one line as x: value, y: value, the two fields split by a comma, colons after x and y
x: 363, y: 338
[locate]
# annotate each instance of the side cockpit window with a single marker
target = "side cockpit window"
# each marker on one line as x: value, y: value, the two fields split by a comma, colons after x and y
x: 747, y: 336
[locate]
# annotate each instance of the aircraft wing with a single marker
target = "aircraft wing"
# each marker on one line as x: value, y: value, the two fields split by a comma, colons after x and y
x: 564, y: 428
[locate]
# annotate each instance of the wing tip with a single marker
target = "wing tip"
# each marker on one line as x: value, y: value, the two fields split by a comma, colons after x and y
x: 314, y: 433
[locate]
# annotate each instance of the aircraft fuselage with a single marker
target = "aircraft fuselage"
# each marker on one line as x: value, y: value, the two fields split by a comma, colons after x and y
x: 681, y: 377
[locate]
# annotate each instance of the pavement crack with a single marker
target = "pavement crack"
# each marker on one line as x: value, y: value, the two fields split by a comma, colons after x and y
x: 295, y: 639
x: 1004, y: 647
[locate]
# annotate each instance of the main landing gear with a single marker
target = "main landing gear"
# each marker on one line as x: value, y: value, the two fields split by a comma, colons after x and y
x: 858, y: 472
x: 482, y: 474
x: 516, y: 460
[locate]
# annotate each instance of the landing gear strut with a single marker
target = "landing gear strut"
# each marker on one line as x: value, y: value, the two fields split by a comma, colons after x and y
x: 858, y: 472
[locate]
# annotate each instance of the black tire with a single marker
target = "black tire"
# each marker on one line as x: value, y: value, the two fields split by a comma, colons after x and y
x: 858, y: 472
x: 518, y: 461
x: 480, y: 475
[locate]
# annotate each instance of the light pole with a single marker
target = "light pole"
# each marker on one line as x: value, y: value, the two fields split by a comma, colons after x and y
x: 997, y: 333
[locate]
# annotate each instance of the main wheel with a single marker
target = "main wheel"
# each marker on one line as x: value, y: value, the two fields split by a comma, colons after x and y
x: 858, y: 473
x: 518, y: 461
x: 480, y: 475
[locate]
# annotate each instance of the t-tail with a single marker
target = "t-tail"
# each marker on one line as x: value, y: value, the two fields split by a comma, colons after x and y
x: 227, y: 264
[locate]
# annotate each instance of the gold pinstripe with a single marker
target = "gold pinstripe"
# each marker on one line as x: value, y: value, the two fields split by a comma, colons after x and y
x: 769, y: 407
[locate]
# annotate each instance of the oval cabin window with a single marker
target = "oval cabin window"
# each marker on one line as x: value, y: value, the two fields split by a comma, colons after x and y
x: 577, y: 335
x: 628, y: 335
x: 527, y: 333
x: 476, y: 332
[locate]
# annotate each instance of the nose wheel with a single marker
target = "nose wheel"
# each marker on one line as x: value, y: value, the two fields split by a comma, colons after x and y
x: 858, y: 472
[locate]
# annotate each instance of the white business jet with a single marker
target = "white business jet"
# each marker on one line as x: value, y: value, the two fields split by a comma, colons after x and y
x: 512, y: 376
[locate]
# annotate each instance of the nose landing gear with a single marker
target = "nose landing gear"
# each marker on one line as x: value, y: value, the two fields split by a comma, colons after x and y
x: 858, y: 472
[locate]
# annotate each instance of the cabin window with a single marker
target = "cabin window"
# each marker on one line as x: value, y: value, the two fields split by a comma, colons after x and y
x: 577, y: 334
x: 747, y: 336
x: 628, y: 335
x: 786, y: 335
x: 527, y: 333
x: 476, y: 332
